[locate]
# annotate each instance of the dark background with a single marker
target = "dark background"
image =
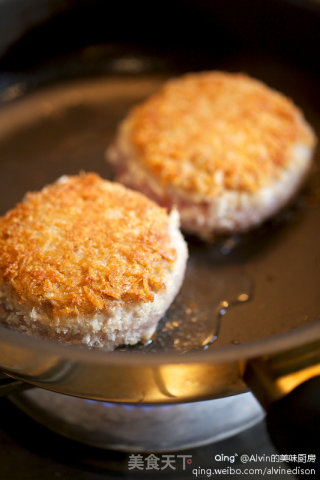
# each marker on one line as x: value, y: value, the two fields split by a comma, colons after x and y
x: 287, y: 28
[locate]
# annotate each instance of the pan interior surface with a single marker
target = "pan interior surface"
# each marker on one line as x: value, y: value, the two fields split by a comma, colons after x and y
x: 238, y: 290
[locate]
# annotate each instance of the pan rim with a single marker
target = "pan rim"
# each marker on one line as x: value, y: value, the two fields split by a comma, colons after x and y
x: 273, y: 344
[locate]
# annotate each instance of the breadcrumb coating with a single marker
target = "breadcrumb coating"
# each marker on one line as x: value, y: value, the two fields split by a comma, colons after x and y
x: 210, y: 132
x: 83, y: 243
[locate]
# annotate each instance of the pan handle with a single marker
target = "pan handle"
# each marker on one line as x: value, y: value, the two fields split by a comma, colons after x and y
x: 293, y: 422
x: 287, y: 385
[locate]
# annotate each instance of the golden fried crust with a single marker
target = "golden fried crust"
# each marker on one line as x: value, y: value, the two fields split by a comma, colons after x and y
x: 210, y: 132
x: 83, y: 243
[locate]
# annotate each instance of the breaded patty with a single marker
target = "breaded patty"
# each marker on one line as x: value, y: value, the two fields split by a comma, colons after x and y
x: 89, y: 261
x: 224, y: 148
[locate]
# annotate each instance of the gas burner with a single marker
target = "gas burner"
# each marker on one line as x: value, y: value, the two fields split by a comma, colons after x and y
x: 143, y: 428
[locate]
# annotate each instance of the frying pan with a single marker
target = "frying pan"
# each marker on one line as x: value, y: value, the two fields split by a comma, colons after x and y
x: 248, y: 314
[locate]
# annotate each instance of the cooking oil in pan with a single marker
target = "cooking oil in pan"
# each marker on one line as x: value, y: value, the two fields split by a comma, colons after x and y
x: 196, y: 317
x: 223, y: 308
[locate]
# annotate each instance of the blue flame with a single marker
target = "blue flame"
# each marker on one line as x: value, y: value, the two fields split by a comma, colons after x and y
x: 127, y: 406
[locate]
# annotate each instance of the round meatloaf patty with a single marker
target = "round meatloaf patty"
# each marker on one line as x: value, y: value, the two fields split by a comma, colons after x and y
x: 224, y: 148
x: 88, y: 261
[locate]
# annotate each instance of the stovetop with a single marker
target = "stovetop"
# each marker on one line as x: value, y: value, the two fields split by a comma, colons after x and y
x: 30, y: 451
